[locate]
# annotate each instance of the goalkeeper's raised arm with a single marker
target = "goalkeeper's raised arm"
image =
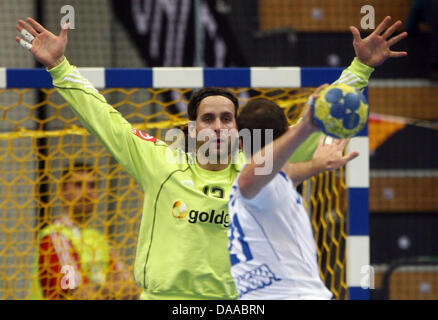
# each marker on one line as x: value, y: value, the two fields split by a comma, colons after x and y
x: 91, y: 108
x: 370, y: 52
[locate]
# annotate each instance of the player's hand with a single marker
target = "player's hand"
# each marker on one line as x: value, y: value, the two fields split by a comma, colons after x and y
x: 330, y: 156
x: 307, y: 117
x: 47, y: 48
x: 375, y: 49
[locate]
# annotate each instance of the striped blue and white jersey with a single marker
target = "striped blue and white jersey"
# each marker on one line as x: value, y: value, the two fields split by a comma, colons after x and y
x: 272, y: 249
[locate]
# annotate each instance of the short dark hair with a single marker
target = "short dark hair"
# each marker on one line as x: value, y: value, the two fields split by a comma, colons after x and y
x: 198, y: 96
x: 262, y: 114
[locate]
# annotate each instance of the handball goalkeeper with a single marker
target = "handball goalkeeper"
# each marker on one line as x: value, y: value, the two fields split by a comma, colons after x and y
x: 182, y: 243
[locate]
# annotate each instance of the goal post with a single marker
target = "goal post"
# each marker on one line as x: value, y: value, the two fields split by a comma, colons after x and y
x: 151, y: 99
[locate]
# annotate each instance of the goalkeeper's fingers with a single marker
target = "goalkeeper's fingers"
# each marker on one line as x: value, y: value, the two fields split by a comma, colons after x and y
x: 315, y: 94
x: 63, y: 32
x: 28, y: 38
x: 26, y: 45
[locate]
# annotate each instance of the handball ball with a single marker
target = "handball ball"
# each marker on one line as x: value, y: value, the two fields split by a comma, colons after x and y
x: 341, y: 111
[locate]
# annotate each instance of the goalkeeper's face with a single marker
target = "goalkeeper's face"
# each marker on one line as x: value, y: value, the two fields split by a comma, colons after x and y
x: 215, y: 125
x: 79, y: 194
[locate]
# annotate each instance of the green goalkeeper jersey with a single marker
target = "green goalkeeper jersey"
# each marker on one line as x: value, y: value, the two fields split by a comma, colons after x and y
x: 182, y: 242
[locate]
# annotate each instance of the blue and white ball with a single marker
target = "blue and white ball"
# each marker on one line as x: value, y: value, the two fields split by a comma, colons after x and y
x: 341, y: 111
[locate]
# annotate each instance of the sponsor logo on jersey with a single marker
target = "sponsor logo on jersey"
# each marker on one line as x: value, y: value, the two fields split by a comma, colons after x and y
x: 180, y: 211
x: 213, y: 217
x: 144, y: 135
x: 255, y: 279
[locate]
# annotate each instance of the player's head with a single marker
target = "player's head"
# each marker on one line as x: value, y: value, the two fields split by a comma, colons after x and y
x: 79, y: 191
x: 262, y: 114
x: 213, y: 110
x: 198, y: 96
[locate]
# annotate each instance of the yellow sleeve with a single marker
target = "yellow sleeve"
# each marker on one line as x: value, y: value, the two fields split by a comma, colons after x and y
x: 356, y: 75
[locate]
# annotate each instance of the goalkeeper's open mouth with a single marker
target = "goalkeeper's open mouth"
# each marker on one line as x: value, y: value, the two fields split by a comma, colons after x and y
x: 220, y: 141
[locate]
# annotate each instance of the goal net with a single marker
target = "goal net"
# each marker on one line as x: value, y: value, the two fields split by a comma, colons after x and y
x: 40, y: 138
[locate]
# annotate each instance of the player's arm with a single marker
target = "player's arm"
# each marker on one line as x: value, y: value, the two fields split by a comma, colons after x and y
x: 329, y: 155
x: 357, y: 75
x: 370, y: 52
x: 91, y: 108
x: 105, y: 122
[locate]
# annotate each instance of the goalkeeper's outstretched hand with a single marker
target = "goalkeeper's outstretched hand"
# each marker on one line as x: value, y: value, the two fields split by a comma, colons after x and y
x: 47, y: 48
x: 376, y: 48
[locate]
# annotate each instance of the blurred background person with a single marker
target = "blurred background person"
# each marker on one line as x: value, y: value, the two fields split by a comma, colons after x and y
x: 76, y: 261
